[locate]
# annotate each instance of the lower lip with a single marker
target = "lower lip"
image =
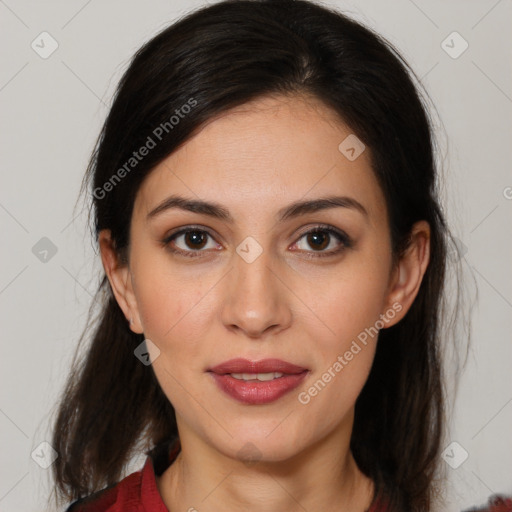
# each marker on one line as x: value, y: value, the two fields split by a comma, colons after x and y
x: 256, y: 392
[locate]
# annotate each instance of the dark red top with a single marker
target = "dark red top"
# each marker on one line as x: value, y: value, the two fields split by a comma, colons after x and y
x: 497, y: 503
x: 138, y: 492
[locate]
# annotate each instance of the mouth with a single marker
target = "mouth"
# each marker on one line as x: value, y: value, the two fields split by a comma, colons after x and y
x: 262, y: 377
x: 265, y: 366
x: 257, y: 382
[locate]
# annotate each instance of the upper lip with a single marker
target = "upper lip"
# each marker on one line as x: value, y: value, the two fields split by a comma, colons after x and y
x: 240, y: 365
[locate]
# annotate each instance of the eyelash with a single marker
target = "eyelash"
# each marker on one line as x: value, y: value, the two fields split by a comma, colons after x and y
x: 322, y: 228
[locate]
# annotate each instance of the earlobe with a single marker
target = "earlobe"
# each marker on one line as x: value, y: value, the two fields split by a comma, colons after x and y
x: 408, y: 274
x: 119, y: 277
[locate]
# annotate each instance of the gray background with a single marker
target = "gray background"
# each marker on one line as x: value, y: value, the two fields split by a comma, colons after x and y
x: 52, y: 110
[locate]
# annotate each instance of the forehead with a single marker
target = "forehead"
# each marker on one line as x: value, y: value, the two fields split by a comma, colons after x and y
x: 262, y: 155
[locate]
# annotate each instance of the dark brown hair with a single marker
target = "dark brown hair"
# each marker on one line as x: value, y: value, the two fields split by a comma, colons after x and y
x: 222, y: 56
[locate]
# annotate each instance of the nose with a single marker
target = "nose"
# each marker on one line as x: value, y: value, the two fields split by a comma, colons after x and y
x: 256, y: 300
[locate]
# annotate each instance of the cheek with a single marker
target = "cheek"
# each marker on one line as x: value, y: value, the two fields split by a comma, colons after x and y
x: 343, y: 359
x: 169, y: 301
x: 350, y: 305
x: 176, y: 314
x: 350, y: 311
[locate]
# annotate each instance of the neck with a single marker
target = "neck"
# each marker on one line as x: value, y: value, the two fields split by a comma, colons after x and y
x: 206, y: 481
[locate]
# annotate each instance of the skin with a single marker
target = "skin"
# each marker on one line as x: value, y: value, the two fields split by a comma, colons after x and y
x: 199, y: 312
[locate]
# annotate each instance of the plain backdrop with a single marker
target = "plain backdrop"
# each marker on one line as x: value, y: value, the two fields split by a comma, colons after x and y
x: 52, y: 110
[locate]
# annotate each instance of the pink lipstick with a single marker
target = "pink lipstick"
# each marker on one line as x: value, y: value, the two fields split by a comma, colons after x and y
x: 257, y: 382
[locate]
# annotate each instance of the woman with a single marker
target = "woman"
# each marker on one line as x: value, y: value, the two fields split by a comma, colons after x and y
x: 265, y: 204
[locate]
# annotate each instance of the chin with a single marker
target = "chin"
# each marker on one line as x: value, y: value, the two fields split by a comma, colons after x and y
x: 255, y: 444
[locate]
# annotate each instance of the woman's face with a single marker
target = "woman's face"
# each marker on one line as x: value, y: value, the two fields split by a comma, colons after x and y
x: 247, y: 281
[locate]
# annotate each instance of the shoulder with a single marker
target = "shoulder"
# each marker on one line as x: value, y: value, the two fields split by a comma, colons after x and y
x: 497, y: 503
x: 124, y: 496
x: 380, y: 504
x: 138, y: 492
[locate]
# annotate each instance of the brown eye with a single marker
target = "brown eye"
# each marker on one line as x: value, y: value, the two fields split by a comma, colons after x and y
x: 195, y: 239
x: 189, y: 242
x: 318, y: 239
x: 321, y: 238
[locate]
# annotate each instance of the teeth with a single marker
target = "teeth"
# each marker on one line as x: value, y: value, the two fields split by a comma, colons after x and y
x: 256, y: 376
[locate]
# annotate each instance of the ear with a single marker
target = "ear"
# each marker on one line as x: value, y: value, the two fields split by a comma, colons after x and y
x: 119, y: 276
x: 408, y: 273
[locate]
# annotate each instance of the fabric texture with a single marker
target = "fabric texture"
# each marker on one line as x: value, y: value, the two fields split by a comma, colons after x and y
x: 138, y: 492
x: 497, y: 503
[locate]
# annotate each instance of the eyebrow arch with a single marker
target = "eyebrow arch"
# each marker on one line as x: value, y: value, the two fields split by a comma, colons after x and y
x: 295, y: 209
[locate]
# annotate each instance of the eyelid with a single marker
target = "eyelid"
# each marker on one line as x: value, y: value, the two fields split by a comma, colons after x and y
x: 342, y: 236
x: 344, y: 239
x: 181, y: 231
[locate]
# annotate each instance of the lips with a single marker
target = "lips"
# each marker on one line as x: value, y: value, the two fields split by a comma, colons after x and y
x: 252, y: 382
x: 264, y: 366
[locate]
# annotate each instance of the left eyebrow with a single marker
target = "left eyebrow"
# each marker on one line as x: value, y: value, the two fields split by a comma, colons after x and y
x: 293, y: 210
x: 316, y: 205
